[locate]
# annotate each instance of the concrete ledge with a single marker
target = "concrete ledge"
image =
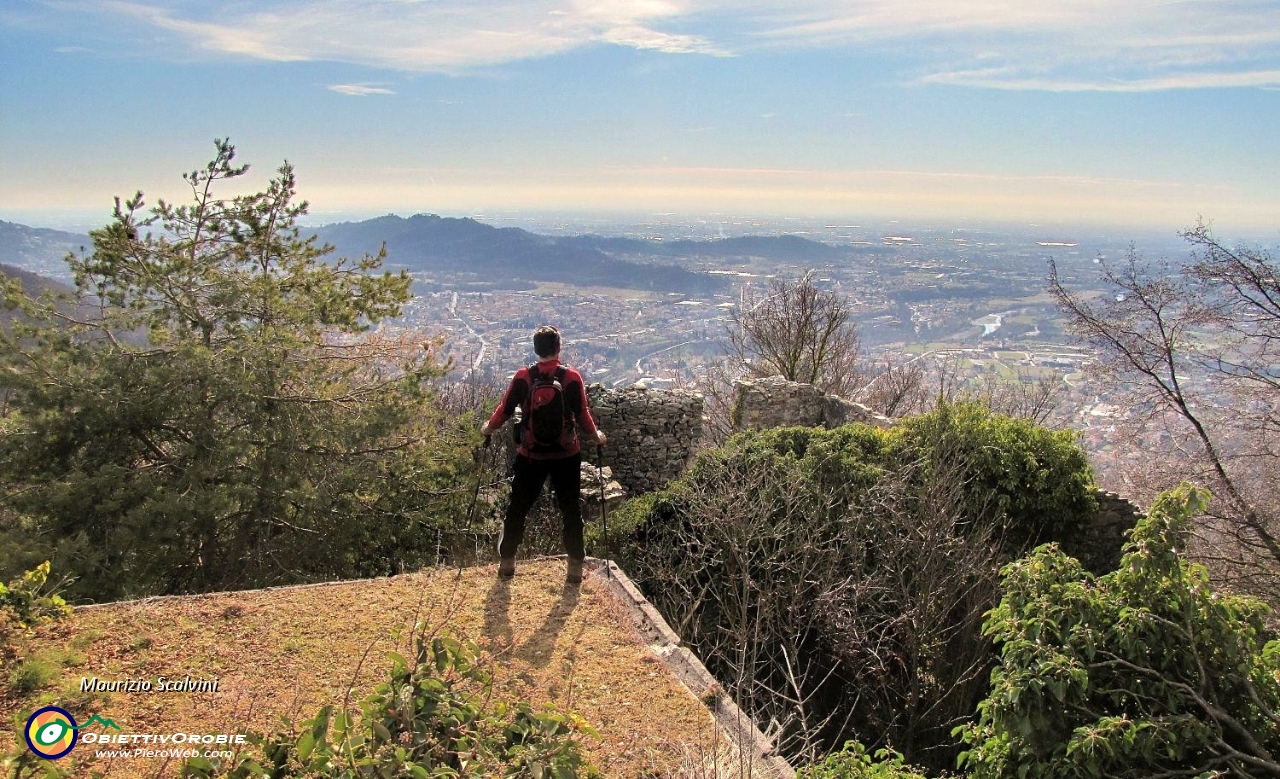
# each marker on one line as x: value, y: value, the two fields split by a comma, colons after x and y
x: 686, y: 667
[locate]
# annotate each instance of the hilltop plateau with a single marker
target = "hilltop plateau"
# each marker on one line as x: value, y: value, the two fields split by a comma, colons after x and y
x: 285, y: 652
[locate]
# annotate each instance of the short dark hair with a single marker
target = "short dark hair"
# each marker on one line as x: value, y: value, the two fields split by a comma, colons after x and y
x: 546, y: 341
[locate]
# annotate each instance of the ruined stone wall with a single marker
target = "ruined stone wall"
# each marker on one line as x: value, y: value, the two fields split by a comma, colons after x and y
x: 761, y: 404
x: 652, y: 433
x: 1098, y: 546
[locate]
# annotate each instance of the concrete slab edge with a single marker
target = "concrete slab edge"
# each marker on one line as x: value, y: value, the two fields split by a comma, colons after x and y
x: 685, y: 665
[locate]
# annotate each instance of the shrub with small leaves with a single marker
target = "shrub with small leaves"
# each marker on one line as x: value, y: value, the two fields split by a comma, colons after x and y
x: 854, y: 762
x: 1146, y: 671
x: 27, y: 600
x: 1033, y: 482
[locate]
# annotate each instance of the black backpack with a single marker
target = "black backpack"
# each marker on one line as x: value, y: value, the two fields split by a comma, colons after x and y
x: 547, y: 414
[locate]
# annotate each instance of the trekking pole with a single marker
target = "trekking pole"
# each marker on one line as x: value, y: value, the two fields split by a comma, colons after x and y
x: 475, y: 494
x: 604, y: 512
x: 477, y: 456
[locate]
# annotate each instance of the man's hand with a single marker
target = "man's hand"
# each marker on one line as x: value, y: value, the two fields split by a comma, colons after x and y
x: 601, y: 438
x: 485, y: 431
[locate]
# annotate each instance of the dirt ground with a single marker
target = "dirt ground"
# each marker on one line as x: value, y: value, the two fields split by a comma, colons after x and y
x: 286, y: 652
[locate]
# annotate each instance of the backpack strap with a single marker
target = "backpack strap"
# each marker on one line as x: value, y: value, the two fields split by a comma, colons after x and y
x: 561, y: 374
x: 559, y: 377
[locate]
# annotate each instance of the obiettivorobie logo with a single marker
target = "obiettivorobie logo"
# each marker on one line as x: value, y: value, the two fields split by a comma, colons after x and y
x: 52, y: 732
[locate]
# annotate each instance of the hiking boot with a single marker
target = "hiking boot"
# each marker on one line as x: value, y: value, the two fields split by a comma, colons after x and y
x: 574, y: 576
x: 507, y: 568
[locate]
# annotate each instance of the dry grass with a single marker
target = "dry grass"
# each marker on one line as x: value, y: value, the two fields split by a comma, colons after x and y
x: 286, y: 652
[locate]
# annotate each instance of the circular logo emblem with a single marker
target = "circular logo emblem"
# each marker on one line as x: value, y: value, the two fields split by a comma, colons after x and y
x: 51, y: 732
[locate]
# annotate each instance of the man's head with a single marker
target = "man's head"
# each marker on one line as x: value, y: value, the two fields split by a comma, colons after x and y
x: 546, y: 341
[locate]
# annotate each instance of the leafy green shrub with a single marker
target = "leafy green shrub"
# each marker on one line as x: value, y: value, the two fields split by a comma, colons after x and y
x: 434, y: 716
x: 25, y: 602
x: 854, y: 762
x: 1033, y: 482
x: 1145, y: 671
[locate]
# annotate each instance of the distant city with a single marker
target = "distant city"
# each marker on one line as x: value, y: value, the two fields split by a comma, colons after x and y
x: 972, y: 296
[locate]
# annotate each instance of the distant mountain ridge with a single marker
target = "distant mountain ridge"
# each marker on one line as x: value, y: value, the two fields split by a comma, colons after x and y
x: 38, y: 249
x: 427, y: 242
x: 504, y: 256
x: 34, y: 285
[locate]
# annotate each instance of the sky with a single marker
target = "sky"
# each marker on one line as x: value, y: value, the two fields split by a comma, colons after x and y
x: 1137, y: 113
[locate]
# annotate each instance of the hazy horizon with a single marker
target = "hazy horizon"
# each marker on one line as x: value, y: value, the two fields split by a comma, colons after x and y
x: 711, y: 225
x: 1142, y: 114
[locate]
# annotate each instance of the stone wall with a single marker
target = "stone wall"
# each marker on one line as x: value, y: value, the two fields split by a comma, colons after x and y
x: 1098, y: 547
x: 760, y: 404
x: 652, y: 433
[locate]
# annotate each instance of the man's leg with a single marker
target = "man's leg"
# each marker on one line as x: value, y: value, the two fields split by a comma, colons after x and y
x: 566, y: 478
x: 526, y: 483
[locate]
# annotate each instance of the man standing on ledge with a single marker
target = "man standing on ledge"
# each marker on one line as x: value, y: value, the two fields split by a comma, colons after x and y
x: 553, y: 402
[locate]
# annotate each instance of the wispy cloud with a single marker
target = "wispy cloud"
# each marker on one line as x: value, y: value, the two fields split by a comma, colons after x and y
x: 407, y: 35
x: 360, y: 90
x: 1067, y: 45
x: 1005, y: 79
x: 639, y: 37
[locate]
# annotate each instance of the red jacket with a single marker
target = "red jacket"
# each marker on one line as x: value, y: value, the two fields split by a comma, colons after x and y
x: 575, y: 398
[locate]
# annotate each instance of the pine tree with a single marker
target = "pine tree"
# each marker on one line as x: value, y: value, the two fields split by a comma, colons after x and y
x: 214, y: 410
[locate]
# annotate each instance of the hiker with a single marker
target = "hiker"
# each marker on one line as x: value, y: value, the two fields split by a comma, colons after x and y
x: 553, y: 402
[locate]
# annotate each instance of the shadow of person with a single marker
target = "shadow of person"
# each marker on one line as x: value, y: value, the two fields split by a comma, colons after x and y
x: 497, y: 617
x: 539, y: 646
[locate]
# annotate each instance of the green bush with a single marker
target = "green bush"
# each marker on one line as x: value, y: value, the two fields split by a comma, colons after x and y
x: 434, y: 716
x: 26, y: 601
x: 1033, y: 482
x: 1145, y: 671
x: 854, y: 762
